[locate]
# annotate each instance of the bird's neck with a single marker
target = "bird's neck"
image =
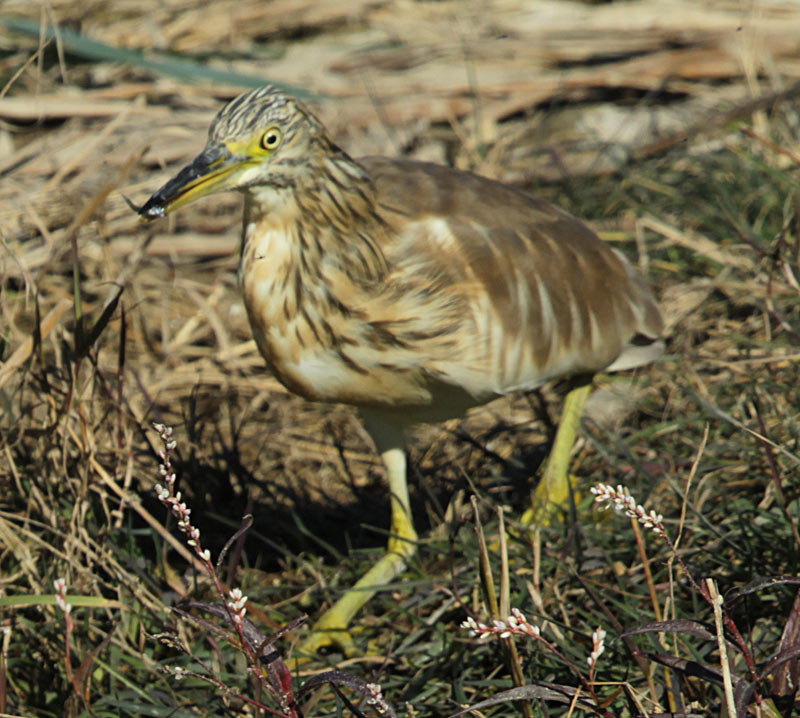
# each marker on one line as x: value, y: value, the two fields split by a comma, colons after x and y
x: 310, y: 263
x: 324, y: 224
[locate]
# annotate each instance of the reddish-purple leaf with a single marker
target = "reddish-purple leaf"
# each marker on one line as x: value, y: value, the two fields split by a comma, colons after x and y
x: 81, y: 677
x: 251, y: 633
x: 693, y: 669
x: 533, y: 692
x: 760, y: 584
x: 700, y: 629
x: 785, y: 667
x: 340, y: 678
x: 679, y: 625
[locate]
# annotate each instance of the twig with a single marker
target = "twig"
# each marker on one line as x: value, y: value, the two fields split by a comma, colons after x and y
x: 727, y: 681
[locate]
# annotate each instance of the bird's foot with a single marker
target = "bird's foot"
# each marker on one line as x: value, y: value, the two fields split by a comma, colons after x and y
x: 324, y: 638
x: 331, y: 628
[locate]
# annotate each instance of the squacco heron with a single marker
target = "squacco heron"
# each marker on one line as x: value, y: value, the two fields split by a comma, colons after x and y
x: 410, y: 290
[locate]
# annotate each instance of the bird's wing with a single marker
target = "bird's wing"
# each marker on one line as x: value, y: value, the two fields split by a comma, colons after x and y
x: 495, y: 290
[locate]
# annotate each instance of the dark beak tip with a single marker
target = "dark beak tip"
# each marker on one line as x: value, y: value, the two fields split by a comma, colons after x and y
x: 155, y: 207
x: 149, y: 211
x: 130, y: 204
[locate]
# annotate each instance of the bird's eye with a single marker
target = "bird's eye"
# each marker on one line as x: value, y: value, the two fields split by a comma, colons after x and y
x: 270, y: 139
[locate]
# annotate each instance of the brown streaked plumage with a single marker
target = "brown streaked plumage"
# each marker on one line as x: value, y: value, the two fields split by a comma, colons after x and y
x: 410, y: 290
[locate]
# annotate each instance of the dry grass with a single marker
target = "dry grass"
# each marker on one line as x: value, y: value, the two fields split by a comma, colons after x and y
x: 672, y: 132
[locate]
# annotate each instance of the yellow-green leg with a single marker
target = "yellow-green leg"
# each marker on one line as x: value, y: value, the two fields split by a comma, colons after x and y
x: 552, y: 492
x: 331, y: 627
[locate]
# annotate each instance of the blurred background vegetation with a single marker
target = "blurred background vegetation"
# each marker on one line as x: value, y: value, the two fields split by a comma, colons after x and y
x: 671, y: 127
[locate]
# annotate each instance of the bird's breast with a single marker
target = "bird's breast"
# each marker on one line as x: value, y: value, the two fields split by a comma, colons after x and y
x: 299, y: 314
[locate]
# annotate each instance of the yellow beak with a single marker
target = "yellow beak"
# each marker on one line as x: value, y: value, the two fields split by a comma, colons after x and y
x: 207, y: 173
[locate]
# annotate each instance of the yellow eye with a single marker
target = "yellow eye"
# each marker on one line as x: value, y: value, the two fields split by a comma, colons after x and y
x: 270, y: 139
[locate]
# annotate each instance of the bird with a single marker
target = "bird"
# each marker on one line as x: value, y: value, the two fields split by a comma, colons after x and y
x: 412, y: 291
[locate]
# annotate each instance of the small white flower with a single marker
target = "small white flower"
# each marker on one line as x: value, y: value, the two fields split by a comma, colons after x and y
x: 60, y: 586
x: 375, y: 694
x: 237, y: 599
x: 622, y: 501
x: 598, y: 646
x: 471, y: 625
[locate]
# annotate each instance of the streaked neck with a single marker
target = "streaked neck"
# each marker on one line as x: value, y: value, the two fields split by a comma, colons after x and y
x: 329, y: 219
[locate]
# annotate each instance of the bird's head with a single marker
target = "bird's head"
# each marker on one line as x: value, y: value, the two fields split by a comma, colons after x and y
x: 262, y: 139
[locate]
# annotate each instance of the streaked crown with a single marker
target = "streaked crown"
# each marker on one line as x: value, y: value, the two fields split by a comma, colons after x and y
x: 256, y: 110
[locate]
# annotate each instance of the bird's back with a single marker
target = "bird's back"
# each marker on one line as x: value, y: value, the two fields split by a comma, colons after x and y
x: 497, y: 290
